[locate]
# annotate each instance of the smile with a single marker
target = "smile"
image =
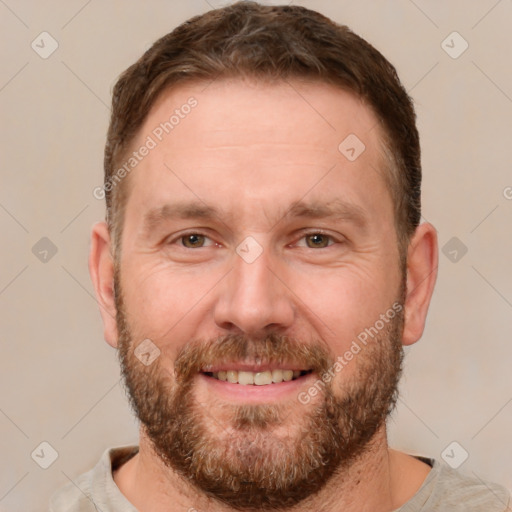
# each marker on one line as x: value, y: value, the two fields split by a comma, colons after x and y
x: 260, y: 378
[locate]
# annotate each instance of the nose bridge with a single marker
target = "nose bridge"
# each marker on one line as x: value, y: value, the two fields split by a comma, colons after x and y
x: 253, y: 299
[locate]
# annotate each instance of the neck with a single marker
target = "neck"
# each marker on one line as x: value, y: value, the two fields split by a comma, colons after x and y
x: 379, y: 480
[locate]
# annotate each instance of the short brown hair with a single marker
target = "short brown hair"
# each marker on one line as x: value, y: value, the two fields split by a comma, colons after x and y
x: 270, y: 43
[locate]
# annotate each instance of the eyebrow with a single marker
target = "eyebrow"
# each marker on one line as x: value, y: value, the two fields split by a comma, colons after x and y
x: 335, y: 209
x: 181, y: 210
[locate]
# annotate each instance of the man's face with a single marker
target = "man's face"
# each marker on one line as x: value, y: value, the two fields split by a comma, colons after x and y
x: 254, y: 249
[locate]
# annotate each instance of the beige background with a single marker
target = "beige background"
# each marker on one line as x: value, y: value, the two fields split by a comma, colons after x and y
x: 60, y: 381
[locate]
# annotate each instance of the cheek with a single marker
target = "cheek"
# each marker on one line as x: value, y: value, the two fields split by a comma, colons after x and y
x: 344, y: 302
x: 164, y: 302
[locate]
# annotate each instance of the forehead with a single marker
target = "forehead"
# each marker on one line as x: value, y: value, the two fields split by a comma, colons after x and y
x: 286, y: 112
x: 244, y: 142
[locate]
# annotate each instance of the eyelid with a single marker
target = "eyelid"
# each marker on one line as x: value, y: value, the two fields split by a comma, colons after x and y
x: 308, y: 232
x: 177, y: 237
x: 303, y: 233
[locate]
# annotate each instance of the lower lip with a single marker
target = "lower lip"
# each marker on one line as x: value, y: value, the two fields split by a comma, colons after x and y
x: 252, y: 393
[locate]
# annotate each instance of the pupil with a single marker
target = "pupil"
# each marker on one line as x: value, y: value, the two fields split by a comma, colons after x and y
x: 193, y: 240
x: 317, y: 240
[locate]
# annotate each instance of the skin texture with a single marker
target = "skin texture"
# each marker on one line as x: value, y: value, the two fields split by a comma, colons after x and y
x: 252, y: 151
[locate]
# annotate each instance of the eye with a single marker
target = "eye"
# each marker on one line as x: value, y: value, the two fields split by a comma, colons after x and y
x: 194, y: 240
x: 317, y: 240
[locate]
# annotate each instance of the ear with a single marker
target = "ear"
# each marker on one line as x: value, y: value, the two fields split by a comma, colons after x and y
x: 101, y: 268
x: 422, y: 262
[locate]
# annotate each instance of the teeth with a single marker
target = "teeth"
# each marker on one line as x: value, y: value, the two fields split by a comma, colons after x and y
x: 263, y: 378
x: 245, y: 378
x: 257, y: 378
x: 277, y: 376
x: 287, y: 375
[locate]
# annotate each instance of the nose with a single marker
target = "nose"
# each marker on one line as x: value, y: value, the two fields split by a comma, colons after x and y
x: 254, y: 299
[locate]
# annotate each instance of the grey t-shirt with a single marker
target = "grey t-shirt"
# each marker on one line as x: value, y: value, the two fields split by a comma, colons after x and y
x: 444, y: 490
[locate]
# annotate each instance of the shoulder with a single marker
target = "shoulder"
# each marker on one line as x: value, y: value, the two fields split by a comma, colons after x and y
x: 75, y: 496
x: 91, y: 490
x: 449, y: 489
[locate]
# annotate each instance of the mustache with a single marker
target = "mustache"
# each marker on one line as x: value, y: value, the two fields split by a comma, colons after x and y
x: 273, y: 349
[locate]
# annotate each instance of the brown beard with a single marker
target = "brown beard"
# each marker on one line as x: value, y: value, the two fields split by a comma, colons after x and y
x: 247, y: 464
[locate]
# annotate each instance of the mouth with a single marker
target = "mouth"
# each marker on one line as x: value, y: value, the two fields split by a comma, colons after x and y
x: 259, y: 382
x: 262, y: 377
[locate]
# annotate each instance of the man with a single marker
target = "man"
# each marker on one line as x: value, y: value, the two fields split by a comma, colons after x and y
x: 261, y: 267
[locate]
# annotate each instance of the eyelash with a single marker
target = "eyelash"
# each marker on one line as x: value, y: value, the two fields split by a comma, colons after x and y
x: 303, y: 235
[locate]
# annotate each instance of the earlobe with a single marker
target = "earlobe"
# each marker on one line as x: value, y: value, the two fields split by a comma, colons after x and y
x: 101, y: 269
x: 422, y: 262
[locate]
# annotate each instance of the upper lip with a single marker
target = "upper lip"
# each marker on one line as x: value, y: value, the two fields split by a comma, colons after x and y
x: 247, y: 367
